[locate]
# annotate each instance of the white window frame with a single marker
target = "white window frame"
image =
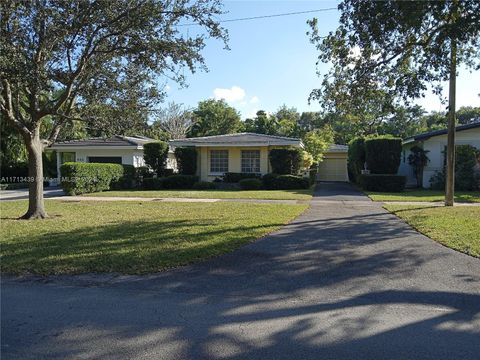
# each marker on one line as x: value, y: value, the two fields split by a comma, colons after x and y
x: 218, y: 165
x: 250, y: 161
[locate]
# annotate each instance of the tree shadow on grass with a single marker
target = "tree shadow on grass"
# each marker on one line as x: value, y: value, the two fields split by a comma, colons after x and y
x: 352, y: 285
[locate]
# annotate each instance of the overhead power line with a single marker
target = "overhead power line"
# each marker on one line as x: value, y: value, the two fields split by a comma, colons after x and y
x: 268, y: 16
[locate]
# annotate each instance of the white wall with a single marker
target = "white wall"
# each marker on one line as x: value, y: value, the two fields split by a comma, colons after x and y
x: 437, y: 144
x: 435, y: 147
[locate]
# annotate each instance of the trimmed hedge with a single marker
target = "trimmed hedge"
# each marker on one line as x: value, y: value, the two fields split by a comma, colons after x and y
x: 356, y: 158
x: 179, y: 182
x: 186, y: 160
x: 286, y: 161
x: 152, y: 183
x: 250, y: 184
x: 82, y: 178
x: 285, y: 182
x: 204, y: 185
x: 383, y: 155
x: 382, y: 182
x: 231, y: 177
x: 155, y: 155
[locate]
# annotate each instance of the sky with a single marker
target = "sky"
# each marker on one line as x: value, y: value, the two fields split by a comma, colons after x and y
x: 271, y: 61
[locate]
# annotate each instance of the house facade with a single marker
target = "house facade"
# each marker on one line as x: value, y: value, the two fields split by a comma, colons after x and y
x: 435, y: 142
x: 238, y: 153
x: 127, y: 150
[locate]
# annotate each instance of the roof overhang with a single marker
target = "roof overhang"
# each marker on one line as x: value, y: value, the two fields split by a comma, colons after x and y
x: 91, y: 147
x: 180, y: 143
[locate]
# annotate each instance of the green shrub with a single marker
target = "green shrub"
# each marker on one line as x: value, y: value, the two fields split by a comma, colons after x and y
x: 250, y: 184
x: 312, y: 174
x: 127, y: 181
x: 204, y: 185
x: 179, y: 182
x: 382, y: 182
x: 356, y: 158
x: 286, y: 161
x: 82, y: 178
x: 269, y: 181
x: 231, y: 177
x: 383, y: 155
x: 285, y: 182
x: 465, y: 177
x: 155, y: 155
x: 186, y: 160
x: 10, y: 172
x: 151, y: 183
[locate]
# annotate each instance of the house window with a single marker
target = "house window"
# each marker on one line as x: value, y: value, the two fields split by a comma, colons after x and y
x: 67, y: 157
x: 250, y: 161
x: 219, y: 161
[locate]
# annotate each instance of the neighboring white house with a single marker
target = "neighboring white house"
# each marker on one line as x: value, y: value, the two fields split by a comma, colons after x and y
x: 435, y: 142
x: 127, y: 150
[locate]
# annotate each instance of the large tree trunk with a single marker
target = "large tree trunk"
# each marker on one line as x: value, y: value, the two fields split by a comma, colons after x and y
x: 450, y: 178
x: 36, y: 204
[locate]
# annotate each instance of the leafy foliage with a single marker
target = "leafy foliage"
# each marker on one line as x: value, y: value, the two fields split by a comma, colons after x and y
x: 383, y: 155
x: 231, y: 177
x: 155, y: 155
x: 466, y: 178
x: 186, y: 160
x: 356, y: 158
x: 250, y: 184
x: 93, y: 60
x: 82, y: 178
x: 418, y: 159
x: 318, y: 141
x: 286, y: 161
x: 215, y: 117
x: 179, y: 182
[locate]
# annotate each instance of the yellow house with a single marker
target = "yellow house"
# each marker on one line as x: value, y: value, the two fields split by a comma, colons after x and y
x: 237, y: 153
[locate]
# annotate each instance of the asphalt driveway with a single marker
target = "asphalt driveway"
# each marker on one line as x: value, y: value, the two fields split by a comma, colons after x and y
x: 346, y: 280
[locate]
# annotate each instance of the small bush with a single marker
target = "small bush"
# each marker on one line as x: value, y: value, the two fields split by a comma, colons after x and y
x: 155, y: 155
x: 312, y: 175
x: 382, y: 182
x: 179, y: 182
x: 231, y: 177
x: 204, y: 185
x: 127, y: 181
x: 250, y: 184
x: 269, y: 181
x: 285, y: 182
x: 383, y: 155
x: 356, y: 158
x: 186, y: 160
x: 466, y: 178
x: 82, y: 178
x: 286, y: 161
x: 151, y: 183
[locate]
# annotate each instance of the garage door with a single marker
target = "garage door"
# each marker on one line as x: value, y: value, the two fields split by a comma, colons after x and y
x: 333, y: 169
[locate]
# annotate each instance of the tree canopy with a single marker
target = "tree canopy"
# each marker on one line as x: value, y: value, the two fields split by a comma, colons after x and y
x: 214, y: 117
x: 93, y: 61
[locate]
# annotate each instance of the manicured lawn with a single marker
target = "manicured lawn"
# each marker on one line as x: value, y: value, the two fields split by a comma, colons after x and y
x: 424, y: 195
x: 455, y: 227
x: 130, y: 237
x: 305, y: 194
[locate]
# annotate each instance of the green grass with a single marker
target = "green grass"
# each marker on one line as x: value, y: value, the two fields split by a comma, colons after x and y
x: 424, y: 195
x: 455, y: 227
x: 130, y: 237
x: 305, y: 194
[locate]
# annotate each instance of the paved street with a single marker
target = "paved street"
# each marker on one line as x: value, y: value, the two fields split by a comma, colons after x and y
x: 345, y: 280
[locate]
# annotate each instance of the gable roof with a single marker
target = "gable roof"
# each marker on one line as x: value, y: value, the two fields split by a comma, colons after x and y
x: 430, y: 134
x: 134, y: 142
x: 240, y: 139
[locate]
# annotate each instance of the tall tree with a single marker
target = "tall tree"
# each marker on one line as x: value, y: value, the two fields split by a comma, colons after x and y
x: 401, y: 47
x: 175, y: 120
x: 58, y: 57
x: 215, y: 117
x: 262, y: 123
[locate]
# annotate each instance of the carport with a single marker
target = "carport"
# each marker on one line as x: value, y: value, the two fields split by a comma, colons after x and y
x: 334, y: 164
